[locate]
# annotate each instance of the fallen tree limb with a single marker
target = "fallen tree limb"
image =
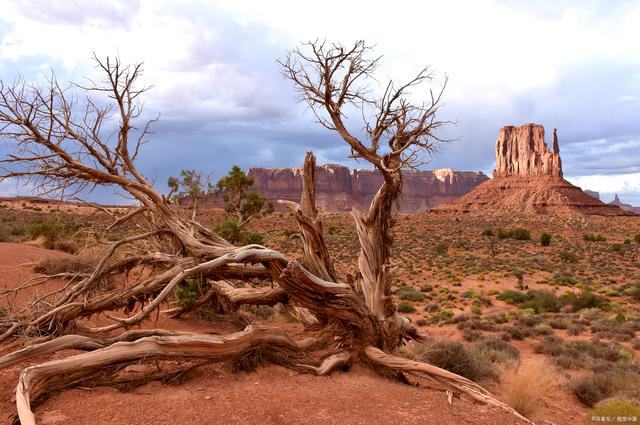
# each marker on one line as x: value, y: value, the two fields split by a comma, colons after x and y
x: 37, y: 381
x: 434, y: 373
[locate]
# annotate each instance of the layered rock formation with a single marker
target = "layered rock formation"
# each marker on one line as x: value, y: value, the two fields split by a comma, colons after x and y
x: 522, y: 151
x: 340, y: 189
x: 592, y: 193
x: 528, y: 178
x: 627, y: 207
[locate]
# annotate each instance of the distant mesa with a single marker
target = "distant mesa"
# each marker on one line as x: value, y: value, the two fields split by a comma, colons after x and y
x: 627, y: 207
x: 341, y: 189
x: 528, y: 179
x: 592, y: 193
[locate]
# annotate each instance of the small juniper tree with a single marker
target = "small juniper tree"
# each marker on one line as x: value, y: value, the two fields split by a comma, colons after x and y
x: 242, y: 203
x: 192, y: 185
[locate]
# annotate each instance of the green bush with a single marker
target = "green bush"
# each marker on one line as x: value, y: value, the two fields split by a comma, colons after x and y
x: 616, y: 247
x: 187, y: 293
x: 520, y: 234
x: 545, y: 239
x: 445, y: 315
x: 594, y: 238
x: 512, y: 297
x: 568, y: 257
x: 489, y: 232
x: 230, y: 230
x: 565, y: 279
x: 51, y: 229
x: 254, y: 238
x: 405, y: 307
x: 408, y: 293
x: 637, y: 238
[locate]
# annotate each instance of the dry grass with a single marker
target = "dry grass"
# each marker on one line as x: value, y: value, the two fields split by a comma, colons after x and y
x: 527, y: 387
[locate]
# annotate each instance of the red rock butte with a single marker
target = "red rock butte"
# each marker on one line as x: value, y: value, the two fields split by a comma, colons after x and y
x: 528, y: 179
x: 341, y: 189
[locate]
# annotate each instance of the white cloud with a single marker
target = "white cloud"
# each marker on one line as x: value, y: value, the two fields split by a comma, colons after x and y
x: 625, y: 185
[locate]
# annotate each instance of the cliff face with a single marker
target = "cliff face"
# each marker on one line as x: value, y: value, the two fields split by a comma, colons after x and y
x: 340, y: 189
x: 528, y: 179
x: 522, y: 152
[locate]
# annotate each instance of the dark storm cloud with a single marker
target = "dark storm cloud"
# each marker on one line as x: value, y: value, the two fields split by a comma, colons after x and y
x: 95, y: 12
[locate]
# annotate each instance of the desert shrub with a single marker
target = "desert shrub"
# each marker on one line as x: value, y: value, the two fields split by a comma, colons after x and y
x: 489, y: 232
x: 524, y: 397
x: 520, y: 234
x: 568, y: 257
x: 545, y: 239
x: 583, y: 352
x: 440, y: 248
x: 541, y: 302
x: 254, y: 238
x: 591, y: 389
x: 432, y: 307
x: 616, y: 247
x: 633, y: 292
x: 67, y: 246
x: 614, y: 409
x: 445, y: 315
x: 565, y: 278
x: 187, y: 293
x: 454, y: 357
x: 50, y: 266
x: 231, y: 231
x: 496, y: 350
x: 637, y: 238
x: 470, y: 335
x: 587, y: 299
x: 627, y: 241
x: 405, y: 307
x: 594, y: 238
x: 512, y: 297
x: 518, y: 332
x: 5, y: 233
x: 408, y: 293
x: 475, y: 309
x: 51, y: 229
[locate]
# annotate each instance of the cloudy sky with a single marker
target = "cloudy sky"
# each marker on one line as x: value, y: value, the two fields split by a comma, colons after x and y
x: 569, y: 64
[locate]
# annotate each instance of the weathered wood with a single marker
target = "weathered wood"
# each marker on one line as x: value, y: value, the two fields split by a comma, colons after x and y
x: 36, y: 381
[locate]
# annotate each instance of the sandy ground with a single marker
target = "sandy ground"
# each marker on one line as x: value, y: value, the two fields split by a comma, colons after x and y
x: 213, y: 394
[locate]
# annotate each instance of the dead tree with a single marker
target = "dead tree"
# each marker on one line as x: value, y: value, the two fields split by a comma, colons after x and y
x: 60, y: 147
